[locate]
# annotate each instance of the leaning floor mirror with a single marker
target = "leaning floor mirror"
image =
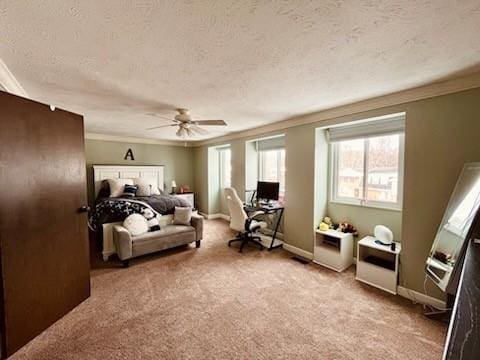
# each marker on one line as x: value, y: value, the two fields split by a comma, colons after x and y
x: 444, y: 260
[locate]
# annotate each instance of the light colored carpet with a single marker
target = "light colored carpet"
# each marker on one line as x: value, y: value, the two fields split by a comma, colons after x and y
x: 214, y: 303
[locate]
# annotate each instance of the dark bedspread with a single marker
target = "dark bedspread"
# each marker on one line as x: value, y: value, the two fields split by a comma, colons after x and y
x: 163, y: 204
x: 117, y: 209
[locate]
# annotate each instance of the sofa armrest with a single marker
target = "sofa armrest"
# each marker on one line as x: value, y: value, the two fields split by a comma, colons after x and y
x: 197, y: 223
x: 123, y: 242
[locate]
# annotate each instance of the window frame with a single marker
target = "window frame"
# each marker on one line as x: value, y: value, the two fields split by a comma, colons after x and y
x: 333, y: 166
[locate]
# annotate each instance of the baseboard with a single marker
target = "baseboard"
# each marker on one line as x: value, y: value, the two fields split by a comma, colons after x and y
x: 279, y: 235
x: 298, y: 251
x: 420, y: 298
x: 215, y: 216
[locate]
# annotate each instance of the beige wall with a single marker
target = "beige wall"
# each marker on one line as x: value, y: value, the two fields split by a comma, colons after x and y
x: 200, y: 169
x: 440, y: 136
x: 178, y: 160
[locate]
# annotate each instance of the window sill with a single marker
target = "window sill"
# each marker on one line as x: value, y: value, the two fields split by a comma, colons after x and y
x: 372, y: 206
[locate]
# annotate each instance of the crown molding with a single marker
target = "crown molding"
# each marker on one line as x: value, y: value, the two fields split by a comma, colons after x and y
x: 9, y: 83
x: 397, y: 98
x: 135, y: 140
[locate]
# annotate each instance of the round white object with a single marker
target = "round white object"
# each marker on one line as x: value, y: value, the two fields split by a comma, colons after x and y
x: 136, y: 224
x: 383, y: 234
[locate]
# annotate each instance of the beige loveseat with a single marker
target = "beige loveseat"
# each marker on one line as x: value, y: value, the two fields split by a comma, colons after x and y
x: 168, y: 236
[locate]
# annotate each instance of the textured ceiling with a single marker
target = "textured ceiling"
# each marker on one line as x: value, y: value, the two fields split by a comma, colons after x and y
x: 247, y: 62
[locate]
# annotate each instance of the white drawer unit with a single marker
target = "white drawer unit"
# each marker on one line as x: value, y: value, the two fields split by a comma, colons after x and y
x: 377, y: 264
x: 333, y: 249
x: 189, y: 197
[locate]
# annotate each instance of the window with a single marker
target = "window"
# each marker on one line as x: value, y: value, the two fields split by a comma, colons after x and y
x: 225, y: 167
x: 272, y: 167
x: 368, y: 171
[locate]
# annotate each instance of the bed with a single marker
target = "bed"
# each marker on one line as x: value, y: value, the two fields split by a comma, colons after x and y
x: 109, y: 211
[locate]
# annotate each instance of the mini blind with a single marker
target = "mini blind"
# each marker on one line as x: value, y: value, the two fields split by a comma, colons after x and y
x: 367, y: 128
x: 275, y: 143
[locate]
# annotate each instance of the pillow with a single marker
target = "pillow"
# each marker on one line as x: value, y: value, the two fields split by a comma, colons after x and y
x: 146, y: 187
x: 182, y: 215
x: 136, y: 224
x: 130, y: 191
x: 117, y: 185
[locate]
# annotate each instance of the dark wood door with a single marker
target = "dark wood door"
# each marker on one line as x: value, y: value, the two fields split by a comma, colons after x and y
x: 43, y: 235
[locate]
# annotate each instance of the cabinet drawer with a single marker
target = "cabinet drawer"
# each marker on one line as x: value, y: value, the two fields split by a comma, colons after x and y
x: 328, y: 257
x: 377, y: 276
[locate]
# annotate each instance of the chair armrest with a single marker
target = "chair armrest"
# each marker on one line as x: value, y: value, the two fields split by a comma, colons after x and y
x: 251, y: 218
x: 123, y: 242
x: 197, y: 223
x: 255, y: 214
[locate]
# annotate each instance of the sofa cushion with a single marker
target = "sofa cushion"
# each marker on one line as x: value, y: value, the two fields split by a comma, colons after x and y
x: 168, y: 237
x: 165, y: 231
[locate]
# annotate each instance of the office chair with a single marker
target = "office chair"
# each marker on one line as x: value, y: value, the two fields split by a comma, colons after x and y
x: 241, y: 222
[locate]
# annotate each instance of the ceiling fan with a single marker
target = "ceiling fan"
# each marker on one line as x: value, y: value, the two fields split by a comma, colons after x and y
x: 187, y: 127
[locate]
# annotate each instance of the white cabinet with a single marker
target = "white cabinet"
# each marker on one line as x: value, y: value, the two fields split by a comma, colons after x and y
x: 377, y: 264
x: 333, y: 249
x: 187, y: 196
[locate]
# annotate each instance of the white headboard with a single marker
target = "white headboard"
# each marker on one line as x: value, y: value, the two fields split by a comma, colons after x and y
x: 103, y: 172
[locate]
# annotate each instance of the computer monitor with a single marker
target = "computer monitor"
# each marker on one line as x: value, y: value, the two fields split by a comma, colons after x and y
x: 267, y: 190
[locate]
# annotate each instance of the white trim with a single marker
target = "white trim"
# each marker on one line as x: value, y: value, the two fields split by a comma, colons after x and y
x: 297, y: 251
x: 9, y: 82
x: 215, y: 216
x: 135, y: 140
x: 397, y: 98
x: 421, y: 298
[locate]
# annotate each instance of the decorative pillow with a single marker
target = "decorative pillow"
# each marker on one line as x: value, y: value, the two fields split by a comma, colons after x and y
x: 146, y: 187
x: 130, y: 191
x: 117, y: 185
x: 136, y: 224
x: 182, y: 215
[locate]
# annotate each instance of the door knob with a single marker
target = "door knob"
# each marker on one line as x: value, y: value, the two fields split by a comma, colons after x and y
x: 83, y: 209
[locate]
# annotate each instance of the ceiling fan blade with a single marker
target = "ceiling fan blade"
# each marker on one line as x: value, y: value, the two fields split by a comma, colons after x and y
x: 209, y: 122
x: 198, y: 130
x: 161, y: 117
x: 161, y: 126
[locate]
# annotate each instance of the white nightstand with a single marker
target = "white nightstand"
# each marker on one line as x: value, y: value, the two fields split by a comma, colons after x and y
x: 333, y: 249
x: 187, y: 196
x: 377, y: 265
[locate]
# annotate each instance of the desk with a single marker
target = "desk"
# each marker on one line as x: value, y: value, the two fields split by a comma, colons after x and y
x: 277, y: 211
